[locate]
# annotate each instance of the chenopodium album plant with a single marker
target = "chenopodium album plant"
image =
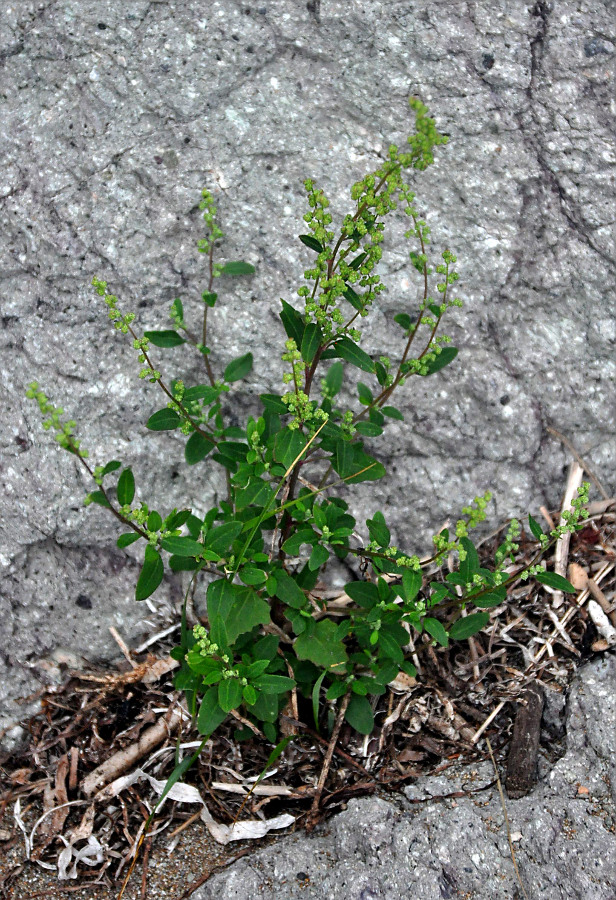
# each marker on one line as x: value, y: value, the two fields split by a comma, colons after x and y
x: 264, y: 548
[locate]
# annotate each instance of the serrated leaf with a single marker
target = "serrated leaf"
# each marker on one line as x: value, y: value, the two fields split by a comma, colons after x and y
x: 436, y: 630
x: 237, y: 268
x: 359, y: 714
x: 468, y: 626
x: 445, y: 357
x: 311, y: 242
x: 197, y: 448
x: 151, y: 574
x: 167, y: 338
x: 557, y: 582
x: 182, y: 546
x: 238, y: 368
x: 126, y: 487
x: 321, y: 646
x: 164, y: 420
x: 348, y: 350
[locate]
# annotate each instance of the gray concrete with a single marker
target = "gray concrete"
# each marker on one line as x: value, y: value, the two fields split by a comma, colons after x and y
x: 376, y: 850
x: 115, y: 114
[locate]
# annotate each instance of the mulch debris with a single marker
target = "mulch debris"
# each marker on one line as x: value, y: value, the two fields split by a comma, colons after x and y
x: 78, y: 792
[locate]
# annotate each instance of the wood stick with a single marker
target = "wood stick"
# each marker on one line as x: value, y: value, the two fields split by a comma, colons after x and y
x: 524, y: 751
x: 124, y: 759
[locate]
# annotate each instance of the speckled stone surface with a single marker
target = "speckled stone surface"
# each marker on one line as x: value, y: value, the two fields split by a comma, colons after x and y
x: 563, y: 831
x: 116, y: 114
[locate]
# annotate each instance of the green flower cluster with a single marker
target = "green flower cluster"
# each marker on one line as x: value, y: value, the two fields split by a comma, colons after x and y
x: 64, y: 430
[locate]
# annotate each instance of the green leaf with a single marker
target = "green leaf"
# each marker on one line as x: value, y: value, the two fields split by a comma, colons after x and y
x: 404, y: 320
x: 343, y: 458
x: 238, y: 368
x: 210, y: 714
x: 126, y: 539
x: 99, y: 497
x: 209, y: 298
x: 229, y: 694
x: 204, y: 392
x: 354, y: 299
x: 303, y: 536
x: 234, y: 610
x: 487, y: 600
x: 535, y: 527
x: 364, y: 393
x: 237, y: 268
x: 468, y: 626
x: 359, y: 714
x: 273, y: 684
x: 182, y: 546
x: 273, y: 403
x: 289, y: 591
x: 445, y: 357
x: 164, y: 420
x: 111, y: 467
x: 364, y: 593
x: 318, y: 557
x: 316, y: 691
x: 164, y: 338
x: 311, y: 341
x: 155, y: 521
x: 321, y: 647
x: 368, y: 429
x: 220, y: 538
x: 151, y: 574
x: 256, y: 493
x: 126, y: 487
x: 197, y: 448
x: 557, y: 582
x: 356, y: 263
x: 348, y: 350
x: 311, y: 242
x: 177, y: 310
x: 436, y: 630
x: 293, y: 323
x: 412, y: 581
x: 334, y: 377
x: 378, y: 530
x: 470, y: 565
x: 392, y: 412
x: 250, y: 575
x: 289, y: 444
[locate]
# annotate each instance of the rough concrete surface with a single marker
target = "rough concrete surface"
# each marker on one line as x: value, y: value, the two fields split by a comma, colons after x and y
x: 116, y: 114
x: 563, y: 832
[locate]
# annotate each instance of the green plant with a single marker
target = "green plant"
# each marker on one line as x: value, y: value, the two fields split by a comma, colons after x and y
x: 264, y: 547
